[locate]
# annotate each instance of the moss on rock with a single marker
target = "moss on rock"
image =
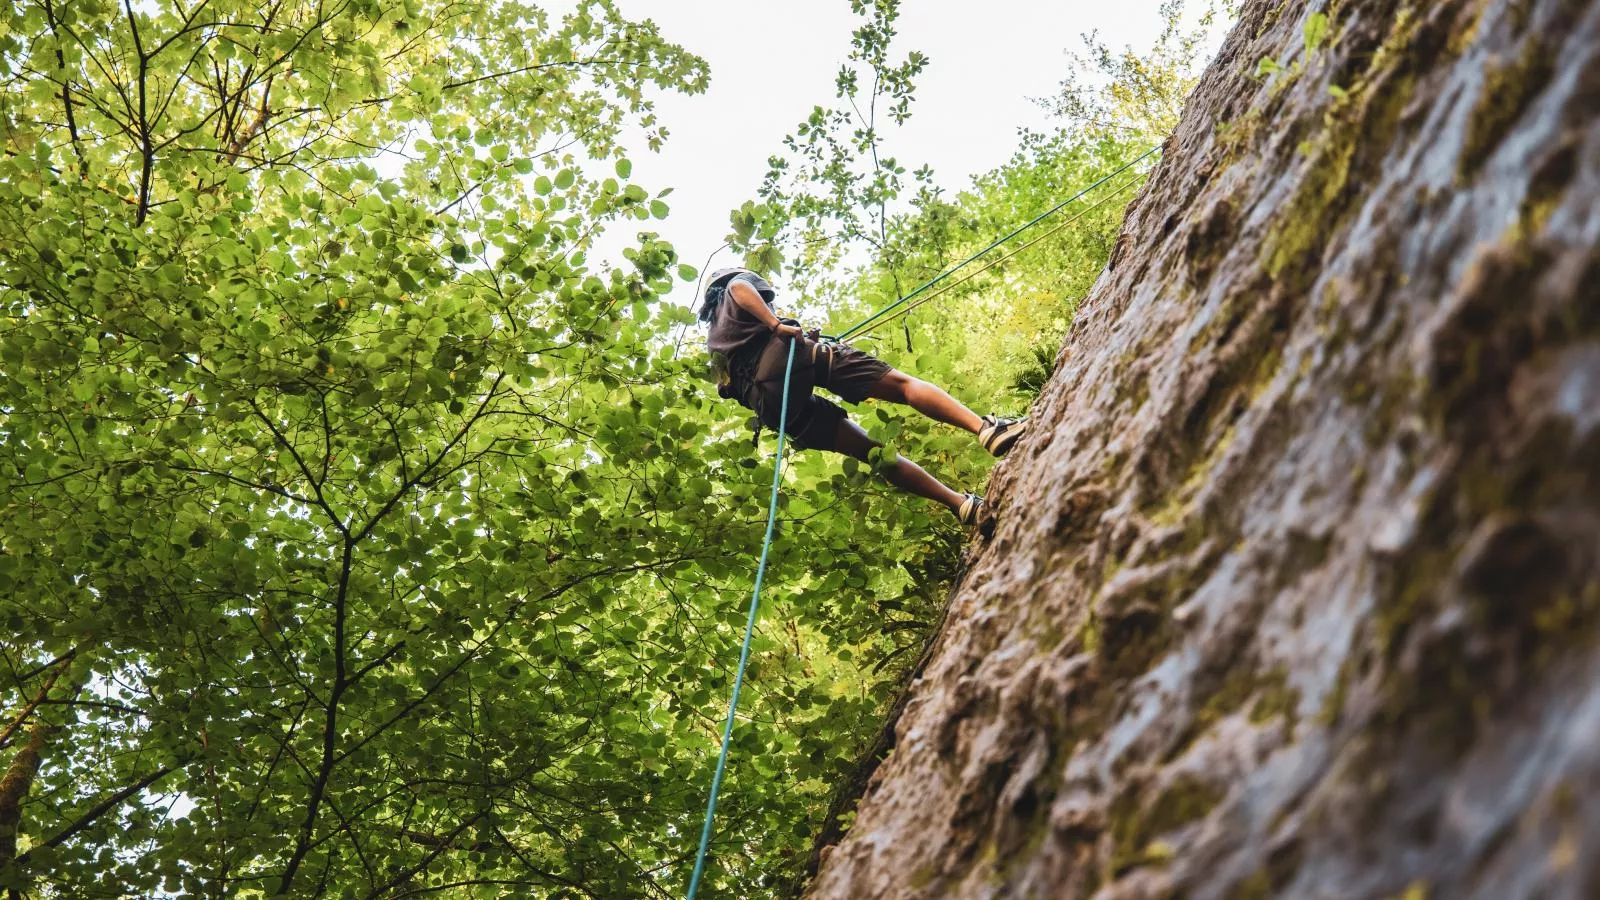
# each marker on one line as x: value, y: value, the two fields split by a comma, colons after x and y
x: 1134, y: 827
x: 1508, y: 88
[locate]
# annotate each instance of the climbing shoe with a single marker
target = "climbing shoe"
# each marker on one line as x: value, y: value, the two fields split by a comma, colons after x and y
x: 998, y: 435
x: 969, y: 509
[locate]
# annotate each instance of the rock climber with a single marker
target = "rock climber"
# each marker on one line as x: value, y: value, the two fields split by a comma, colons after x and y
x: 753, y: 346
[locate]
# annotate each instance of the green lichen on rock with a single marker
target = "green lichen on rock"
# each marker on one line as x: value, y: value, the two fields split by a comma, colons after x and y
x: 1547, y: 189
x: 1305, y: 224
x: 1464, y: 36
x: 1135, y: 828
x: 1089, y: 633
x: 1233, y: 137
x: 1273, y: 877
x: 1276, y: 699
x: 1333, y: 702
x: 1268, y: 696
x: 1357, y: 130
x: 923, y: 876
x: 1235, y: 691
x: 1177, y: 506
x: 1271, y: 18
x: 1252, y: 358
x: 1257, y: 887
x: 1507, y: 90
x: 1510, y: 577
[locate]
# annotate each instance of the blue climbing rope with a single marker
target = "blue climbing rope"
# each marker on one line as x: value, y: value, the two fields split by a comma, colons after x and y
x: 749, y: 629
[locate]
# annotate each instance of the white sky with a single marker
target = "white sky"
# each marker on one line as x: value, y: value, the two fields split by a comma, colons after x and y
x: 771, y: 62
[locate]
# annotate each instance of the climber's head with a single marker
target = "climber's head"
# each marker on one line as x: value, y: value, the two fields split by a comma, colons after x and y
x: 717, y: 287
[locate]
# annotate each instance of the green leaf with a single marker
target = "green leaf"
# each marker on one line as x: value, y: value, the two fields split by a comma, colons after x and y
x: 1316, y: 28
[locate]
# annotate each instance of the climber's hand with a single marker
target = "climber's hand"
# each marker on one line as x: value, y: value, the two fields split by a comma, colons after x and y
x: 784, y: 329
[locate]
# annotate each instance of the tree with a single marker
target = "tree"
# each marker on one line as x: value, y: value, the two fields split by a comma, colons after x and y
x: 831, y: 187
x: 303, y: 374
x: 357, y: 537
x: 1138, y: 95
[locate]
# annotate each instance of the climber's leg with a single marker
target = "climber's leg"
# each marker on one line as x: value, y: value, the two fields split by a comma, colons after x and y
x: 903, y: 474
x: 926, y: 398
x: 856, y: 375
x: 996, y: 434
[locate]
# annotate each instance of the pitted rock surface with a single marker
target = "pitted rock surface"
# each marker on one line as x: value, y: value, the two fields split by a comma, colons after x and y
x: 1295, y: 588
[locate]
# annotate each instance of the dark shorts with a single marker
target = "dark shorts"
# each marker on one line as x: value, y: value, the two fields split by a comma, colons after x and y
x: 757, y: 382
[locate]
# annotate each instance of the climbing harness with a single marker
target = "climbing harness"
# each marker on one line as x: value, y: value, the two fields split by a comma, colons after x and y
x: 969, y: 507
x: 749, y: 629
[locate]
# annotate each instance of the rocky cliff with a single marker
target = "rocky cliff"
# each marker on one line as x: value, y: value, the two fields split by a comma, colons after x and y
x: 1295, y: 589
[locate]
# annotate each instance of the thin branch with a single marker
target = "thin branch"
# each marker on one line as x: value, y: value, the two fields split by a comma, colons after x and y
x: 61, y: 666
x: 66, y: 90
x: 316, y: 486
x: 100, y: 809
x: 330, y: 734
x: 146, y: 149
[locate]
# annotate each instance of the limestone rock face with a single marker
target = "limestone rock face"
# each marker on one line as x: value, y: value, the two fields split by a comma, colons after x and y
x: 1295, y: 589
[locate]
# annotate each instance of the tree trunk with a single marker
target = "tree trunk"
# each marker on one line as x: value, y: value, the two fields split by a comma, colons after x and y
x: 14, y: 787
x: 1295, y: 589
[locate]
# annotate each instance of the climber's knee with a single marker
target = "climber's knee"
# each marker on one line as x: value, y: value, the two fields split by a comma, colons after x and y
x: 851, y: 440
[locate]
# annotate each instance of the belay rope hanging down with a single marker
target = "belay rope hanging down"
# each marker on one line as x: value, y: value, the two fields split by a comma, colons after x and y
x: 904, y: 305
x: 749, y: 628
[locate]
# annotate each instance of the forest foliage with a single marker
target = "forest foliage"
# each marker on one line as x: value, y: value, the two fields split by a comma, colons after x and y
x: 358, y: 536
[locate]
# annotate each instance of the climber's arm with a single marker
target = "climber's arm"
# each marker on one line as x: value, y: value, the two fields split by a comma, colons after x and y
x: 749, y: 300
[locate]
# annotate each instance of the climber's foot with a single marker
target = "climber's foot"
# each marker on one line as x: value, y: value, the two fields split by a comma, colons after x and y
x: 969, y: 509
x: 999, y: 435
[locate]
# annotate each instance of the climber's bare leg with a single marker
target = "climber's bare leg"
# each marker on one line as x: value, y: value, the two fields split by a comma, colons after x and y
x: 928, y: 399
x: 904, y: 474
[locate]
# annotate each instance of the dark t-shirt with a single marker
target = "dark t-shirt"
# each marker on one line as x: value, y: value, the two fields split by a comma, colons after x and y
x: 732, y: 328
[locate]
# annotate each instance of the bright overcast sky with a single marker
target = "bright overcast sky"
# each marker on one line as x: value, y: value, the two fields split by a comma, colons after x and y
x: 772, y: 62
